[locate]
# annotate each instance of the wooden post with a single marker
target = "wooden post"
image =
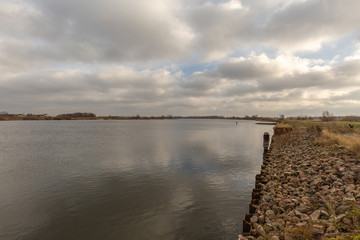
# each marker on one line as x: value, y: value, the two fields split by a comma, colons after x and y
x: 246, y: 224
x: 266, y: 141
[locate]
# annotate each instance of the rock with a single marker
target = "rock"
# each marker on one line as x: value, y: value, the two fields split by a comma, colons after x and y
x: 280, y: 222
x: 304, y: 209
x: 253, y: 232
x: 323, y: 212
x: 325, y: 223
x: 301, y: 224
x: 342, y: 209
x: 267, y: 197
x: 241, y: 237
x: 268, y: 227
x: 318, y: 226
x: 348, y: 179
x: 270, y: 214
x: 349, y: 199
x: 346, y: 220
x: 278, y: 210
x: 331, y: 229
x: 297, y: 213
x: 341, y: 216
x: 315, y: 215
x: 317, y: 230
x: 295, y: 219
x: 261, y: 219
x: 254, y: 219
x: 260, y: 230
x: 275, y: 238
x: 317, y: 181
x: 350, y: 188
x: 304, y: 217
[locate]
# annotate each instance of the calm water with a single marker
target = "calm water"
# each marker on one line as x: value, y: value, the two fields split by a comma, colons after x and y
x: 170, y: 179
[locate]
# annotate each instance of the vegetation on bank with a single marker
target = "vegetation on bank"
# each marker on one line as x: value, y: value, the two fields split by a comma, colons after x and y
x: 4, y: 116
x: 343, y: 134
x: 301, y: 119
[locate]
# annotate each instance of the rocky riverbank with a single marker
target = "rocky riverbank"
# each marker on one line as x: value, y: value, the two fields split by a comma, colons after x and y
x: 306, y: 190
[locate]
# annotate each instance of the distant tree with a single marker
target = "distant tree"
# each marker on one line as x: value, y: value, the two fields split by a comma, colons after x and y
x: 282, y: 117
x: 302, y: 117
x: 327, y: 116
x: 351, y: 118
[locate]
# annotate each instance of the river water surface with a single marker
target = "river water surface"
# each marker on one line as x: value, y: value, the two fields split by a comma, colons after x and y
x: 158, y: 179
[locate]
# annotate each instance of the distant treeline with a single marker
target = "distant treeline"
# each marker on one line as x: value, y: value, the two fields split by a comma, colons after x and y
x: 29, y: 116
x: 326, y: 116
x: 77, y: 115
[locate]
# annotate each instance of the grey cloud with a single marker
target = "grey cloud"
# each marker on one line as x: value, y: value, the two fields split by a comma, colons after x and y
x: 307, y: 80
x: 239, y: 90
x: 87, y: 88
x: 348, y: 69
x: 219, y: 30
x: 92, y: 42
x: 353, y: 95
x: 198, y: 85
x: 254, y: 75
x: 110, y: 30
x: 139, y: 31
x: 246, y: 69
x: 306, y: 21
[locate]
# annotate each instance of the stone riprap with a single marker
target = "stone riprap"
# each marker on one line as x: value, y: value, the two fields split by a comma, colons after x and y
x: 305, y: 191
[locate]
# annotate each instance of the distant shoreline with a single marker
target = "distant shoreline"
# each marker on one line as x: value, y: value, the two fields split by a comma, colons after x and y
x: 51, y: 118
x: 266, y: 123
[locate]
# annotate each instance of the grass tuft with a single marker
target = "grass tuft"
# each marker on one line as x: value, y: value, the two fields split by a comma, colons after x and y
x: 350, y: 141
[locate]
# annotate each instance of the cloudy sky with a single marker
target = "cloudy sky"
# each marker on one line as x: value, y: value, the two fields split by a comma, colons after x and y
x: 180, y: 57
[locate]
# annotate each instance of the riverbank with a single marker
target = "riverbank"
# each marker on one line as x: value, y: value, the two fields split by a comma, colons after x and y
x: 309, y: 188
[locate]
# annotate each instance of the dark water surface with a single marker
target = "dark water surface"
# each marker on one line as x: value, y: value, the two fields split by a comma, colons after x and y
x: 170, y: 179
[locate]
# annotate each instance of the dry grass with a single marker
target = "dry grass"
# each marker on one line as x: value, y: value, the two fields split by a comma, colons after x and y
x: 332, y: 124
x: 350, y: 141
x: 299, y: 233
x: 283, y: 125
x: 336, y: 133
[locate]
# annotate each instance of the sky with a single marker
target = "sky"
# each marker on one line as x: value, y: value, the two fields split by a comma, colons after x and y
x: 180, y: 57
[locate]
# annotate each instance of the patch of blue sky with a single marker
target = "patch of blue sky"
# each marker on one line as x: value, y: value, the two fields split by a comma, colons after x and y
x: 338, y: 49
x: 189, y: 68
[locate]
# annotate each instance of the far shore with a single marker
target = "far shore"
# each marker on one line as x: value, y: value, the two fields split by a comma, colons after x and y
x: 264, y: 120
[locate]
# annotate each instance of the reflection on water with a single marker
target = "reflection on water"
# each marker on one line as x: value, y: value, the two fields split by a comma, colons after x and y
x: 178, y: 179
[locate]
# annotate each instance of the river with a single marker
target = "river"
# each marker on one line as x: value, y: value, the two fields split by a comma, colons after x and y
x: 129, y: 179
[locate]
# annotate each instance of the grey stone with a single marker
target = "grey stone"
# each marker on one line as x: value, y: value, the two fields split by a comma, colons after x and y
x: 241, y: 237
x: 315, y: 215
x: 260, y: 230
x: 254, y: 219
x: 331, y: 229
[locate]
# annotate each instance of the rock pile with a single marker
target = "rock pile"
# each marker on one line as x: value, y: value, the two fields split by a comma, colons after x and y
x: 305, y: 191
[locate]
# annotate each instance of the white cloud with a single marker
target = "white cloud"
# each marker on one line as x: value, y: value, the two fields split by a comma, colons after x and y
x: 122, y: 56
